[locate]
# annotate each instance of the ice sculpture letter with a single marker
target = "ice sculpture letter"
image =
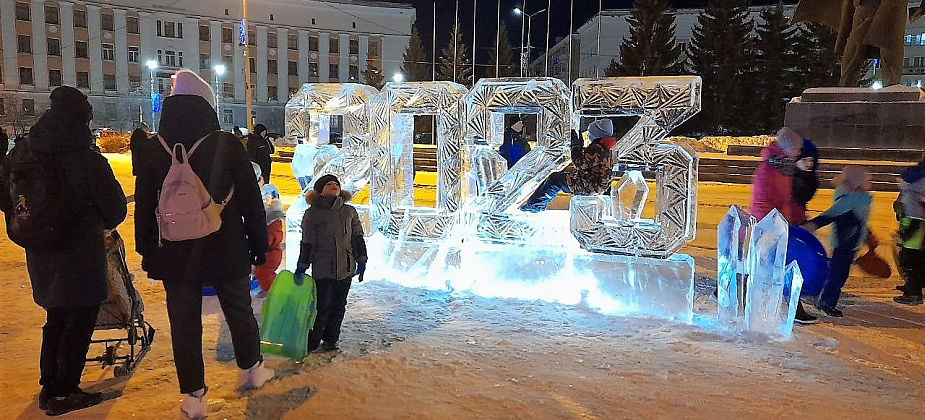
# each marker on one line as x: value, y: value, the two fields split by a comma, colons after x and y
x: 495, y: 216
x: 392, y: 183
x: 605, y: 223
x: 308, y: 121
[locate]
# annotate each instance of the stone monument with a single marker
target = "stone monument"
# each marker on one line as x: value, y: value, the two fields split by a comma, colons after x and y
x: 866, y: 29
x: 890, y: 118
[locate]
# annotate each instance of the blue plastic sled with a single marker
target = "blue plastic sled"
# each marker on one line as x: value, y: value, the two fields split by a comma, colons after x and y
x: 812, y: 258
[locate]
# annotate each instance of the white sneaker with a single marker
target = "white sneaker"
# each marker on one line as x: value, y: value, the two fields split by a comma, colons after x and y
x: 194, y: 406
x: 258, y: 375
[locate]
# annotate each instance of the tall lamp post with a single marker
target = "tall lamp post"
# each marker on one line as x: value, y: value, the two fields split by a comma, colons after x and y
x: 155, y: 96
x: 525, y: 50
x: 219, y: 70
x: 247, y: 68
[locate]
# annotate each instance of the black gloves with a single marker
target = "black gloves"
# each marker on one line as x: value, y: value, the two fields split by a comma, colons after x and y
x: 577, y: 146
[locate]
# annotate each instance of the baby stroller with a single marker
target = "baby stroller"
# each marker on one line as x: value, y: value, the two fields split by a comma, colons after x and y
x: 122, y: 311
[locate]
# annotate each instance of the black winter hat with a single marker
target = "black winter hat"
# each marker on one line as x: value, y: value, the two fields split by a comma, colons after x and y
x: 914, y: 173
x: 259, y: 128
x: 66, y: 100
x: 320, y: 183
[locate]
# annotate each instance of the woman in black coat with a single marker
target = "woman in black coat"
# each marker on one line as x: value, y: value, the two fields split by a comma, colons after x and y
x: 222, y: 259
x: 70, y: 282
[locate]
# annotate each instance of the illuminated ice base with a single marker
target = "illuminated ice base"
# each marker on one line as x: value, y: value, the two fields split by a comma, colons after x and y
x: 609, y: 284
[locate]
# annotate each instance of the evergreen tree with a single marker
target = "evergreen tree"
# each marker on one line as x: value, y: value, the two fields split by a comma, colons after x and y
x: 416, y: 65
x: 817, y: 63
x: 508, y: 66
x: 650, y: 49
x: 463, y: 71
x: 721, y: 53
x: 777, y: 69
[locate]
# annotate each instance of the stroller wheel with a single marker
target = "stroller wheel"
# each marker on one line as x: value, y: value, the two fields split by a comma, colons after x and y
x: 109, y: 358
x: 120, y: 371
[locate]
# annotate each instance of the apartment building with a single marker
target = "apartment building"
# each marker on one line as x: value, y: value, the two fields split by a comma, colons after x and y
x: 105, y: 48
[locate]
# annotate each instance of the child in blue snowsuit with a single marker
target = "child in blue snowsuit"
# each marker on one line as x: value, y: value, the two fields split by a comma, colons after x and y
x: 850, y: 213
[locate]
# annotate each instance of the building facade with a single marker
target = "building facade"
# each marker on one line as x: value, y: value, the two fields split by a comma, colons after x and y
x: 104, y: 48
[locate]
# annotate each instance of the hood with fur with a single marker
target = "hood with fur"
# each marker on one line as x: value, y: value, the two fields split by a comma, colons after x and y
x: 313, y: 198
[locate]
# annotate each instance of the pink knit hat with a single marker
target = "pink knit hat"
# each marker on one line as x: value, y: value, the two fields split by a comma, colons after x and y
x: 187, y: 82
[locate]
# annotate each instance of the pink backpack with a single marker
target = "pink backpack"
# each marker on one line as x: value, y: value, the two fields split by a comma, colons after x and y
x: 185, y: 209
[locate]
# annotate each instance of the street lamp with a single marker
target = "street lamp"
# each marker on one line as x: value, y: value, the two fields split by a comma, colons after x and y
x: 152, y: 66
x: 398, y: 78
x: 219, y: 71
x: 525, y: 51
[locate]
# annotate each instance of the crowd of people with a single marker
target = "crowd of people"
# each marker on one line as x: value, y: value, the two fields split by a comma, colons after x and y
x: 205, y: 214
x: 60, y: 195
x: 787, y: 179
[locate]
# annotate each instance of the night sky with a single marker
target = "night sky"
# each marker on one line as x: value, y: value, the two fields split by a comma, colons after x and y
x: 487, y: 18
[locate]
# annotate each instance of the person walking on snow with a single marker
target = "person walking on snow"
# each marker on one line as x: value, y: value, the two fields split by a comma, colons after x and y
x: 334, y: 248
x: 259, y: 149
x: 222, y: 259
x: 69, y: 274
x: 910, y: 211
x: 272, y: 205
x: 772, y: 188
x: 850, y: 213
x: 592, y: 173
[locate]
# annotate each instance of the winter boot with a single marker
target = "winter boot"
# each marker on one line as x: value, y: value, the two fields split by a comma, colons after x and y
x: 910, y: 300
x: 194, y: 406
x: 258, y: 375
x: 832, y: 312
x: 43, y: 399
x: 803, y: 317
x: 326, y: 346
x: 77, y: 400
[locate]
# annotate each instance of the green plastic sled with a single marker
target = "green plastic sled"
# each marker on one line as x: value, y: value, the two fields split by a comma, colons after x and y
x: 288, y: 314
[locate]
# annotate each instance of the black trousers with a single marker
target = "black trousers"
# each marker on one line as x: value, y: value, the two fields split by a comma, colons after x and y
x: 546, y: 193
x: 184, y: 309
x: 332, y: 305
x: 65, y: 341
x: 912, y: 268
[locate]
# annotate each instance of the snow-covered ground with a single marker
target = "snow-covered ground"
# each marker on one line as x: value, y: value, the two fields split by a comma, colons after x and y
x: 415, y: 354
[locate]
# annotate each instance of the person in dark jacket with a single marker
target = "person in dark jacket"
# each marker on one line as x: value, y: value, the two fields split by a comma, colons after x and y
x: 805, y: 179
x: 259, y: 149
x: 592, y: 173
x: 222, y: 259
x: 4, y: 143
x: 910, y: 237
x: 333, y: 246
x: 513, y: 147
x: 139, y: 135
x: 70, y: 283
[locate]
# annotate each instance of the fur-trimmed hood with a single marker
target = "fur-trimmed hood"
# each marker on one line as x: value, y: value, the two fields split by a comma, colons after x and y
x: 313, y: 198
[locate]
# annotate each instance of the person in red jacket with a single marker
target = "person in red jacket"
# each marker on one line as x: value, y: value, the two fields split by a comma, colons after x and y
x: 772, y: 185
x: 772, y: 188
x: 272, y: 205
